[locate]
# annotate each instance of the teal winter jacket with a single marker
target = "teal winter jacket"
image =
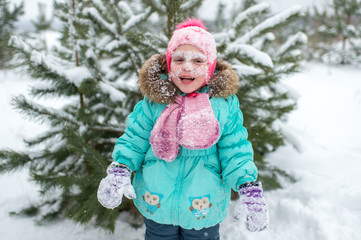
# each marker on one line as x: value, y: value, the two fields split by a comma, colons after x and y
x: 193, y: 191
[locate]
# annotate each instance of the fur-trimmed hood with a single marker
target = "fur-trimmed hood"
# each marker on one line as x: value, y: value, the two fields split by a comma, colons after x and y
x: 155, y: 85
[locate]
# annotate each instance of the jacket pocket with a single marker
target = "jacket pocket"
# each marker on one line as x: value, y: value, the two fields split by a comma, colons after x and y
x: 213, y: 169
x: 148, y: 163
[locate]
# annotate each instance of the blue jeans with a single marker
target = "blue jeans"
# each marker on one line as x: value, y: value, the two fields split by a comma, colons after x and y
x: 157, y: 231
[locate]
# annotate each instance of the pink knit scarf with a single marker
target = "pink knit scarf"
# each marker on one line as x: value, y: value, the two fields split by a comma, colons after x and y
x: 189, y: 122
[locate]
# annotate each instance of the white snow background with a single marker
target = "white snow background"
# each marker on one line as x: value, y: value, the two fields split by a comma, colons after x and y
x: 324, y: 203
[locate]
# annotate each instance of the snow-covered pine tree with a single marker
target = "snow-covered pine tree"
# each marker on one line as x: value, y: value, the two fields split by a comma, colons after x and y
x: 103, y: 45
x: 123, y: 43
x: 94, y: 71
x: 336, y: 35
x: 8, y: 17
x: 42, y: 24
x: 263, y: 49
x: 172, y: 12
x: 69, y: 160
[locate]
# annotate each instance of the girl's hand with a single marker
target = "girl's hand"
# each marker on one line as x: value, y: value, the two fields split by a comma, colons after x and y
x: 115, y: 185
x: 251, y: 207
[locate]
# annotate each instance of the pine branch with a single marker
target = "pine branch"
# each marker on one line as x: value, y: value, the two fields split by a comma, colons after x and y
x: 126, y: 8
x: 296, y: 39
x: 135, y: 20
x: 12, y: 161
x: 77, y: 142
x: 189, y: 5
x: 249, y: 53
x: 118, y: 17
x: 40, y: 113
x: 248, y: 14
x: 157, y: 6
x: 44, y: 137
x: 270, y: 23
x: 94, y: 14
x: 107, y: 129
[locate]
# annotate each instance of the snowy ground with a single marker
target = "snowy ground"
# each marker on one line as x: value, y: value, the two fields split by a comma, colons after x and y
x: 324, y: 204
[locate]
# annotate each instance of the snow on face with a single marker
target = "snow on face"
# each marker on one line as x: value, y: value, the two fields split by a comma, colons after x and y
x: 189, y: 68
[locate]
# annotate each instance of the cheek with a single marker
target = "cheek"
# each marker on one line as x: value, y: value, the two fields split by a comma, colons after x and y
x: 200, y: 70
x: 175, y: 71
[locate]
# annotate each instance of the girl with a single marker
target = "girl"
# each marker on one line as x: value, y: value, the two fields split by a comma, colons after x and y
x: 187, y: 144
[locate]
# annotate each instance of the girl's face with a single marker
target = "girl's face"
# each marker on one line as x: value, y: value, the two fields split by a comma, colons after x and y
x: 188, y: 68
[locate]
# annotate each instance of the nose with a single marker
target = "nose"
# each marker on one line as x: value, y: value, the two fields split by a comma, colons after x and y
x: 187, y: 66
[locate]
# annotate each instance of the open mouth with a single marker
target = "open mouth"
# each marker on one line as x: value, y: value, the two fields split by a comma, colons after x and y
x: 186, y: 80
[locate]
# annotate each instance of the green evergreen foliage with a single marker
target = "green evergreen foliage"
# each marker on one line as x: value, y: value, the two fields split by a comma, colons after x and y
x: 172, y: 12
x: 103, y: 44
x: 76, y: 149
x: 336, y: 33
x: 263, y: 49
x: 9, y: 15
x: 42, y: 24
x: 95, y: 69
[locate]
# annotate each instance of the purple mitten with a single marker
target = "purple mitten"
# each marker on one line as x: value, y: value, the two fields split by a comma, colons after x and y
x: 251, y: 207
x: 116, y: 184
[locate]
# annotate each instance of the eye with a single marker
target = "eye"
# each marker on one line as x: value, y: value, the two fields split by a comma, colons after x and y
x: 198, y: 61
x: 178, y: 60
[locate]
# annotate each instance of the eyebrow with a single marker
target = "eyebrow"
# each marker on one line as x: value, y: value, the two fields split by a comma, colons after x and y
x: 189, y: 55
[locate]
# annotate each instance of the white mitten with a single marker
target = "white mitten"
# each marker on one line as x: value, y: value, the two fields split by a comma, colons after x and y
x: 116, y: 184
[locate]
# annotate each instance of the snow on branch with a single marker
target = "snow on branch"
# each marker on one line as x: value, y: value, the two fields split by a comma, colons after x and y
x: 253, y: 53
x: 41, y: 113
x: 256, y: 9
x: 270, y: 23
x: 99, y: 4
x: 103, y: 41
x: 297, y: 38
x: 291, y: 134
x: 245, y: 70
x: 224, y: 36
x: 126, y: 8
x: 74, y: 74
x: 117, y: 43
x: 189, y: 5
x: 50, y: 135
x: 93, y: 13
x: 136, y: 20
x: 114, y: 94
x: 19, y: 43
x: 242, y: 17
x: 158, y: 6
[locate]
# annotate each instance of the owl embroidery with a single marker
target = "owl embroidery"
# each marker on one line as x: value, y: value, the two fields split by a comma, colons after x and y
x: 152, y: 201
x: 200, y: 206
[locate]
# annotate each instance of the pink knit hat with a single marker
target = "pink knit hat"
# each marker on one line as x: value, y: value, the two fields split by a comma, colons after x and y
x: 193, y: 32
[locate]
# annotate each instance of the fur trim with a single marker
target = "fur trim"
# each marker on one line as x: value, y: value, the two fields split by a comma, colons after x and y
x: 225, y: 82
x: 154, y: 84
